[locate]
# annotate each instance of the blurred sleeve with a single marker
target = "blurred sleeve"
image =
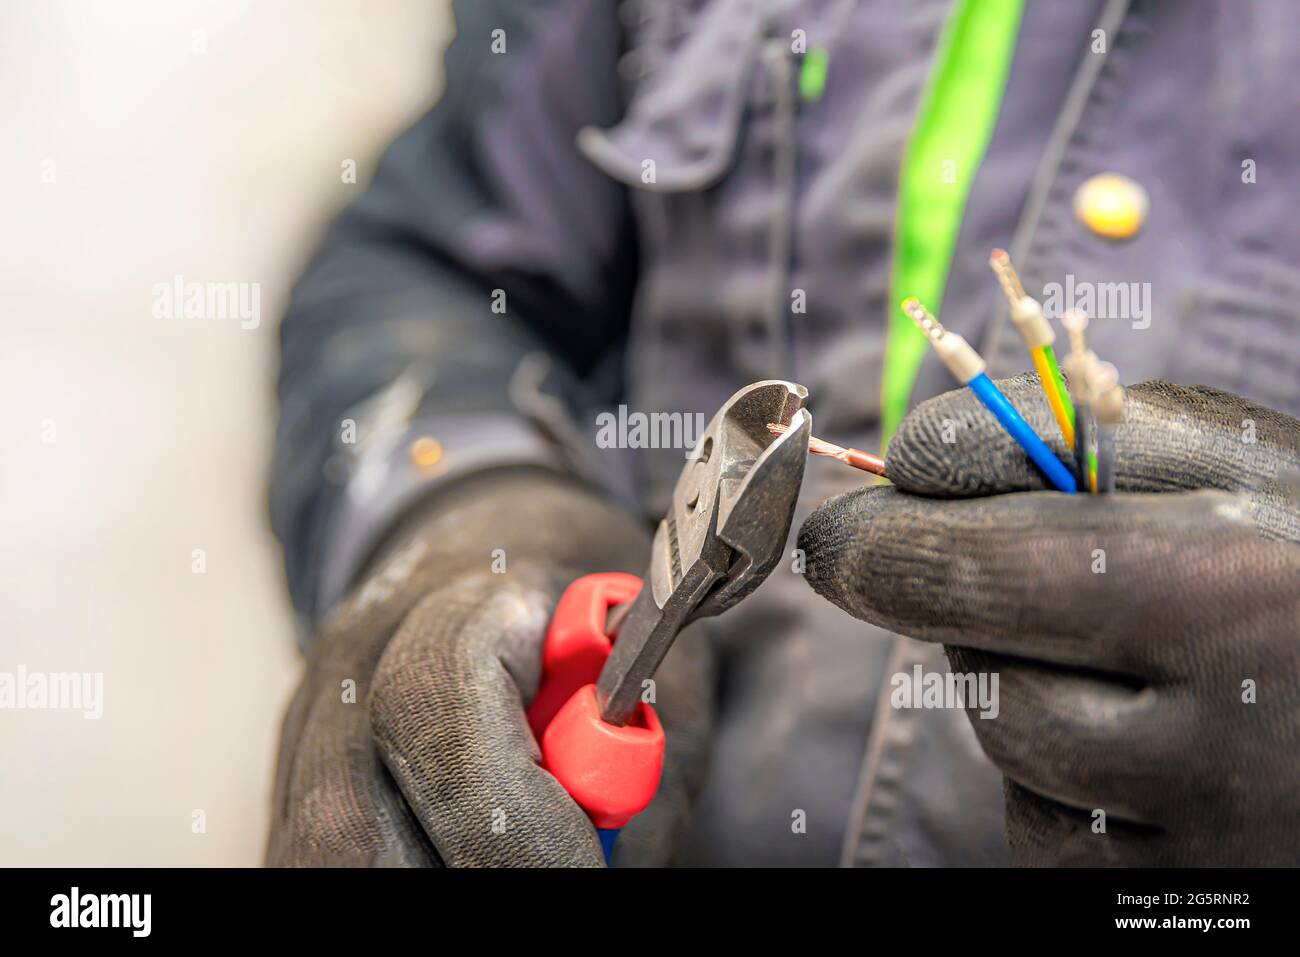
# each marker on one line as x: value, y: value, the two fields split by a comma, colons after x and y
x: 485, y: 241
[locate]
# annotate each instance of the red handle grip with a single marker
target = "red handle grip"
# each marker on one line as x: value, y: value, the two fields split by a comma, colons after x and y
x: 612, y: 772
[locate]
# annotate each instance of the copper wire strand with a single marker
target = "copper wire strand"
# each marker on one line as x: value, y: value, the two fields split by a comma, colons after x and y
x: 933, y: 329
x: 1008, y: 278
x: 854, y: 457
x: 1076, y: 322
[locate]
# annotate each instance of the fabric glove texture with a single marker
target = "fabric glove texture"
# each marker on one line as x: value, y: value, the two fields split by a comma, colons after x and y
x: 1147, y: 643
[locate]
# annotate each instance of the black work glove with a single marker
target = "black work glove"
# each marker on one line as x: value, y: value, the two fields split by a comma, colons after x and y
x: 1148, y: 645
x: 431, y: 760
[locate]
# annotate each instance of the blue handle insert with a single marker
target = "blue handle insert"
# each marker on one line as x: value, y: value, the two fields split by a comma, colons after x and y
x: 607, y: 838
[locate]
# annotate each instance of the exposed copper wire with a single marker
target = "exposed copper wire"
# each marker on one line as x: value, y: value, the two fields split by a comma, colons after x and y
x: 931, y: 326
x: 1075, y: 322
x: 1008, y: 278
x: 854, y: 457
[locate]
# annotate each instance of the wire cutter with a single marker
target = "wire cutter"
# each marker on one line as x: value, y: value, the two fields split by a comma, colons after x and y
x: 724, y: 533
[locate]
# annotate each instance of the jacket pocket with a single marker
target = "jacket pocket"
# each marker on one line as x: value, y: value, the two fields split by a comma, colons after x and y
x: 683, y: 122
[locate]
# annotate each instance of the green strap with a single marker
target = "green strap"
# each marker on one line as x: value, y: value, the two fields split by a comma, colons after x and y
x: 956, y: 119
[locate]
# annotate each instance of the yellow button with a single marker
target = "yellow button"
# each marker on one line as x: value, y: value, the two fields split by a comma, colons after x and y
x: 1111, y: 205
x: 426, y: 452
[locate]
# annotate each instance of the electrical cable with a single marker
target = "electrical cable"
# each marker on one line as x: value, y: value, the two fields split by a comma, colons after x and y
x: 1107, y: 412
x: 1036, y: 331
x: 968, y: 367
x: 1079, y: 364
x: 854, y: 457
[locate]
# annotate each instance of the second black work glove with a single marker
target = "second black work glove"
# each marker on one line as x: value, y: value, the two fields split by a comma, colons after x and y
x: 1147, y: 643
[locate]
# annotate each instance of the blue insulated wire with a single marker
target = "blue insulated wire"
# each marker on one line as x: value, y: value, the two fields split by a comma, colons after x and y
x: 1105, y: 461
x: 1082, y: 436
x: 1020, y: 430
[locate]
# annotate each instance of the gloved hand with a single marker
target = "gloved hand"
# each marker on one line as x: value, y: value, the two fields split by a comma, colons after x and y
x: 1148, y: 645
x: 430, y: 759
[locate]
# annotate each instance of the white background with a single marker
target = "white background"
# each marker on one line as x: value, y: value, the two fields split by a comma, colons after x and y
x: 221, y: 166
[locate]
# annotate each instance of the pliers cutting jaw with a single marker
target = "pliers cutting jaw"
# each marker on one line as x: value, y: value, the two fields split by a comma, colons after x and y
x: 724, y: 533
